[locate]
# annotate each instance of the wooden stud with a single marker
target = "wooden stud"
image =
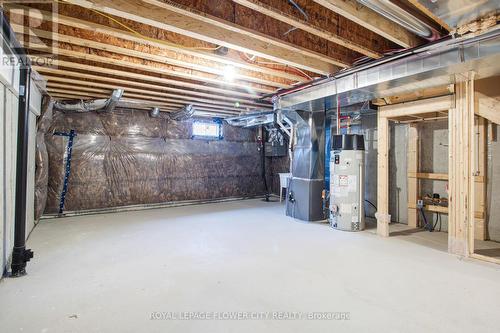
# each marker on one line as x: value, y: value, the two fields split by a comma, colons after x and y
x: 461, y: 157
x: 382, y: 215
x: 423, y: 106
x: 480, y: 227
x: 413, y: 167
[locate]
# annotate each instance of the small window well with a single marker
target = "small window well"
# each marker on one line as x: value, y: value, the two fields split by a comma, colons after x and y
x: 207, y: 130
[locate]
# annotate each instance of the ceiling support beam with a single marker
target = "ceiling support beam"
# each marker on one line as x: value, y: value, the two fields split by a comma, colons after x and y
x: 155, y: 70
x: 307, y: 27
x: 372, y: 21
x: 172, y: 70
x: 196, y: 25
x: 208, y: 58
x: 50, y: 75
x: 133, y: 77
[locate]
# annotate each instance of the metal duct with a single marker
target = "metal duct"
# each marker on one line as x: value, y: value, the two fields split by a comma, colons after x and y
x: 113, y: 100
x: 308, y: 152
x: 155, y: 112
x: 304, y: 193
x: 398, y: 15
x: 252, y: 119
x: 425, y: 67
x: 106, y: 105
x: 184, y: 113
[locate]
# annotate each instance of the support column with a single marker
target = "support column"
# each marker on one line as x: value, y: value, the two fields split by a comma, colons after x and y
x: 461, y: 168
x: 480, y: 229
x: 382, y: 215
x: 413, y: 169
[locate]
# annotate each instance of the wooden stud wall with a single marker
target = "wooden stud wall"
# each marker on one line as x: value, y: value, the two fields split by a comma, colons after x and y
x: 467, y: 176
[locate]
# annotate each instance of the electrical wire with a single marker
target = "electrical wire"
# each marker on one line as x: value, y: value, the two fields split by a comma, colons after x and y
x: 426, y: 225
x: 371, y: 204
x: 253, y: 61
x: 438, y: 217
x: 181, y: 46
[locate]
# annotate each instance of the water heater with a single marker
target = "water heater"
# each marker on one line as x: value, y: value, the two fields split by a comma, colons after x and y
x: 347, y: 175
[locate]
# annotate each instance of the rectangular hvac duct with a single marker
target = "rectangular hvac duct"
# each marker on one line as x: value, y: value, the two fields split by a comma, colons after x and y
x: 304, y: 192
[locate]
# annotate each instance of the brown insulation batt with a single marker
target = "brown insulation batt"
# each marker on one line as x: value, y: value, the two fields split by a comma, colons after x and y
x: 128, y: 158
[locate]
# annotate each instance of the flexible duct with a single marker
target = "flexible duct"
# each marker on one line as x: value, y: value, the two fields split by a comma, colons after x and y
x: 106, y: 105
x: 184, y: 113
x: 155, y: 112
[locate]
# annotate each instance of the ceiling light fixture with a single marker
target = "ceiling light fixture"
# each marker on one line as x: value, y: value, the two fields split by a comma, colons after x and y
x: 229, y: 73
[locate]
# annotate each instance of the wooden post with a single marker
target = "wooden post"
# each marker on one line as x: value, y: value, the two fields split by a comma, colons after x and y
x: 480, y: 229
x: 413, y: 168
x: 461, y: 159
x: 382, y: 215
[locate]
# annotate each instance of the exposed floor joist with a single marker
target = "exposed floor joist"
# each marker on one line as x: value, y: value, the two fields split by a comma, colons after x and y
x: 145, y: 93
x: 179, y: 50
x: 178, y: 68
x: 193, y: 24
x: 213, y: 59
x: 307, y: 26
x: 181, y: 94
x: 371, y: 20
x: 155, y: 70
x: 155, y: 61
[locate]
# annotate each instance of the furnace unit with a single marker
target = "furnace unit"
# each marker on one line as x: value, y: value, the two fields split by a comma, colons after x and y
x: 347, y: 174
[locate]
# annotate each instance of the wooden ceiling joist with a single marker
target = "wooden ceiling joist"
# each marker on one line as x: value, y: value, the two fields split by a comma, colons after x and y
x: 146, y: 93
x: 372, y: 20
x: 197, y: 25
x: 179, y: 93
x: 309, y: 27
x: 177, y: 52
x: 155, y: 61
x: 140, y: 96
x: 72, y: 84
x: 143, y: 105
x: 210, y: 59
x: 110, y: 61
x: 174, y: 106
x: 175, y: 71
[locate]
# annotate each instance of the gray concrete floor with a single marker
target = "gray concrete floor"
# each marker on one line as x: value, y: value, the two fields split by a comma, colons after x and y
x: 108, y: 273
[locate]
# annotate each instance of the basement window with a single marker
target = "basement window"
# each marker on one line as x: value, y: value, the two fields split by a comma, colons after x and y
x: 211, y: 130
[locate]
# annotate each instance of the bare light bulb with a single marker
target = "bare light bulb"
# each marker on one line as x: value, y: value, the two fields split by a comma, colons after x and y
x: 229, y: 73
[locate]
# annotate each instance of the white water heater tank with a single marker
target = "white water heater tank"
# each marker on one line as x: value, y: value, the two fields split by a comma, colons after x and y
x: 347, y: 176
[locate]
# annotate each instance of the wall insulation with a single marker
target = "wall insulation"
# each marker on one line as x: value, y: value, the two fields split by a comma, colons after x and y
x: 129, y: 158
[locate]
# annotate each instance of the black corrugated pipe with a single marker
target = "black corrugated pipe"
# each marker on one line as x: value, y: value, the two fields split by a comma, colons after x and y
x: 20, y: 255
